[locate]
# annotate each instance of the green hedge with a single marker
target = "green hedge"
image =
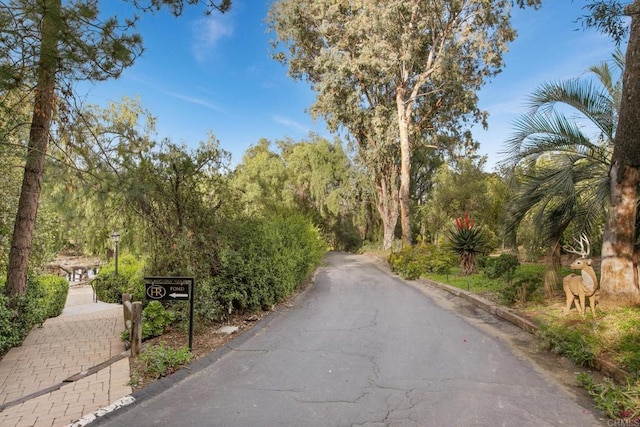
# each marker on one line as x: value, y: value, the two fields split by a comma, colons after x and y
x: 56, y: 290
x: 109, y: 287
x: 266, y: 261
x: 261, y: 261
x: 45, y: 297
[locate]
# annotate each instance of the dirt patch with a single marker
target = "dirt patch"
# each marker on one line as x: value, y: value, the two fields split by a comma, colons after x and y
x: 205, y: 341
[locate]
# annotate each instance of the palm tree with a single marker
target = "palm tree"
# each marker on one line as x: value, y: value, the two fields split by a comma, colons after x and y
x: 561, y: 170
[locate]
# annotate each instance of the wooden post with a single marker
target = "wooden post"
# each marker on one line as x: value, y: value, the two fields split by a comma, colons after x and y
x: 127, y: 312
x: 136, y: 328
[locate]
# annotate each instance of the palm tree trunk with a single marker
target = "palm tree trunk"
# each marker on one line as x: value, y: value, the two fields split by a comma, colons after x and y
x: 43, y: 107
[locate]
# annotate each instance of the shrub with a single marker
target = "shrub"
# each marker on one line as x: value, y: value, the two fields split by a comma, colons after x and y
x: 497, y: 267
x: 411, y: 262
x: 519, y: 290
x: 109, y: 287
x: 56, y: 290
x: 20, y: 313
x: 267, y: 259
x: 208, y: 306
x: 155, y: 320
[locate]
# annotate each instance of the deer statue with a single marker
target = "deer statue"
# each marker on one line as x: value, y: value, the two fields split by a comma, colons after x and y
x: 584, y: 285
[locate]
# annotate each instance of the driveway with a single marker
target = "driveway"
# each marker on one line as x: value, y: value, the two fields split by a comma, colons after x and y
x: 360, y: 347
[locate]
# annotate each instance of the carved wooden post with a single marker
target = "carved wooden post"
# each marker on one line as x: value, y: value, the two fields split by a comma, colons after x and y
x: 136, y: 328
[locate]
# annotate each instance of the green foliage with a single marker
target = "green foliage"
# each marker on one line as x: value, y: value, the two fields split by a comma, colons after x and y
x: 628, y: 344
x: 467, y: 240
x: 267, y: 260
x: 496, y: 267
x: 109, y: 287
x: 161, y: 360
x: 569, y: 341
x: 411, y: 262
x: 313, y: 175
x: 19, y: 313
x: 209, y: 305
x: 560, y: 171
x: 616, y: 401
x: 522, y: 289
x: 155, y: 320
x: 56, y: 289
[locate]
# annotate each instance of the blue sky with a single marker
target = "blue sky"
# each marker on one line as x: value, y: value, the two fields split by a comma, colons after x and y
x: 202, y: 75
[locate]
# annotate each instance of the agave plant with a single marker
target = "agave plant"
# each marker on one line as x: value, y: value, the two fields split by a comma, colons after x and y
x: 467, y: 240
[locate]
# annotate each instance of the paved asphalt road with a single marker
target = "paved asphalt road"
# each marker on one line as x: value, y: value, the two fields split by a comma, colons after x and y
x: 360, y: 347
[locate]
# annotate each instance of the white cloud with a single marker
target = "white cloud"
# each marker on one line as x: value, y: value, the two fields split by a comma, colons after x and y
x: 207, y: 32
x: 297, y: 126
x: 196, y: 101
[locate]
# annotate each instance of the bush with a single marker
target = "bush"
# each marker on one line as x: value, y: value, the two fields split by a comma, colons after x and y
x: 208, y: 304
x: 56, y: 290
x: 20, y: 313
x: 109, y: 287
x: 519, y: 290
x: 155, y: 320
x: 411, y: 262
x: 267, y: 259
x: 497, y: 267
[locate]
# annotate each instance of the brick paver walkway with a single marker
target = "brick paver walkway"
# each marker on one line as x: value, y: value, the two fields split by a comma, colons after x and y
x: 71, y: 366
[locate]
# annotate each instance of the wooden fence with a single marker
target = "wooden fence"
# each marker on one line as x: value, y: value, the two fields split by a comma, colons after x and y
x: 133, y: 323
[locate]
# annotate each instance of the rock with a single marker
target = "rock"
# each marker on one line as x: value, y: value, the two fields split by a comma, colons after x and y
x: 228, y: 330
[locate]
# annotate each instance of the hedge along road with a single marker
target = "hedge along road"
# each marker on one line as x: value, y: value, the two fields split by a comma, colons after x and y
x: 359, y: 347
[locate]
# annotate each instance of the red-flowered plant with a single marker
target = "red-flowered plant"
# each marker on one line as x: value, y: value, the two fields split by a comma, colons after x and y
x: 467, y: 240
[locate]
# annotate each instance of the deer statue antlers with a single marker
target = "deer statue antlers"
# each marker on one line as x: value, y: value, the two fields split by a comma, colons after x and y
x: 582, y: 241
x: 584, y: 285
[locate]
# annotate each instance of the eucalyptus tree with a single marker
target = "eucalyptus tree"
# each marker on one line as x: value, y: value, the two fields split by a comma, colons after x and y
x: 414, y: 64
x: 561, y: 155
x: 46, y: 46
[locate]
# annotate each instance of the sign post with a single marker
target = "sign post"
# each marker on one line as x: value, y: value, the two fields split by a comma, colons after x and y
x: 172, y: 289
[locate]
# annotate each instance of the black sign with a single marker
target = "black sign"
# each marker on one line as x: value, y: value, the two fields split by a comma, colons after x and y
x: 175, y: 289
x: 168, y: 288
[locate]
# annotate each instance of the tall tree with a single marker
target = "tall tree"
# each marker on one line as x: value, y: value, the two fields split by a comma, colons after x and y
x: 422, y: 59
x: 619, y: 268
x: 620, y: 253
x: 260, y: 179
x: 46, y: 42
x: 92, y: 150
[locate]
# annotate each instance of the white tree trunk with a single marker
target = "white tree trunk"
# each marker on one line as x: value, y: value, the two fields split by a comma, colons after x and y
x: 405, y: 169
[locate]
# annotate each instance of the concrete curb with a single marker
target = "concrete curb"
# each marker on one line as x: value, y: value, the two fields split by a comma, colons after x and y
x: 607, y: 368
